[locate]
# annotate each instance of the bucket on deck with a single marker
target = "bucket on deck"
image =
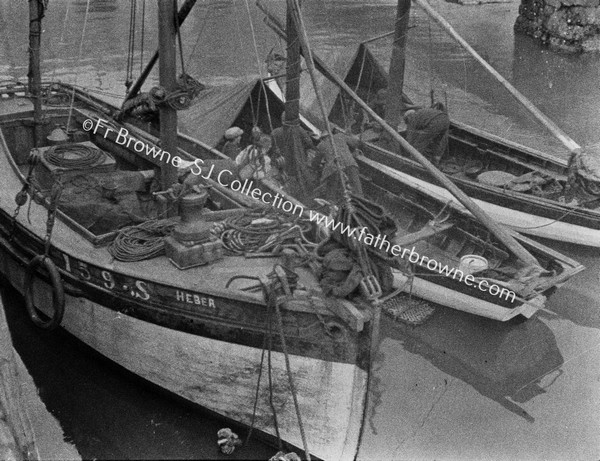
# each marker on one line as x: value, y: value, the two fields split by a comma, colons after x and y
x: 469, y: 264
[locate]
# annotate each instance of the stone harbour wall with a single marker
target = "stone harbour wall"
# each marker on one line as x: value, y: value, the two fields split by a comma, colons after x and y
x: 569, y: 25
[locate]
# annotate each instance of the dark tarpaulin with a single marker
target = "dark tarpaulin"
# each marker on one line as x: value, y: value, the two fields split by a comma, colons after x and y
x: 214, y: 110
x: 358, y: 68
x: 340, y: 62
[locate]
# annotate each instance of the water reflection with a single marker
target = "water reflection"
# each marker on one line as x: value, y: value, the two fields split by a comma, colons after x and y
x: 503, y: 362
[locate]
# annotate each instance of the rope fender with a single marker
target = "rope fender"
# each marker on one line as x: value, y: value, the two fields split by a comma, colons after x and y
x: 58, y: 293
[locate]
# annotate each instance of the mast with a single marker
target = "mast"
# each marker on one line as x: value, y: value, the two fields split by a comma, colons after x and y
x: 167, y: 67
x: 296, y: 159
x: 36, y: 13
x: 137, y: 86
x: 395, y: 105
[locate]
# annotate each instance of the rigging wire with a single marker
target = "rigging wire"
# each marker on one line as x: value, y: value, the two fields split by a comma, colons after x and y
x: 179, y: 42
x: 200, y: 31
x: 254, y: 111
x: 431, y: 89
x: 142, y: 38
x: 131, y: 44
x: 85, y: 20
x: 258, y: 65
x: 62, y: 38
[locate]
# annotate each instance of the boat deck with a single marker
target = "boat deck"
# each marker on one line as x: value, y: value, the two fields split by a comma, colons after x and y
x: 210, y: 279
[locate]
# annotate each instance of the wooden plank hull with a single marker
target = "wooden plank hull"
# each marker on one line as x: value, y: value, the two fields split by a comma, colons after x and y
x: 520, y: 221
x: 219, y: 375
x: 190, y: 334
x: 523, y: 213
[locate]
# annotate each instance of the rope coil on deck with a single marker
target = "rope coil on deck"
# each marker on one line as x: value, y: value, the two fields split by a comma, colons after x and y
x: 80, y: 156
x: 143, y: 241
x: 255, y: 232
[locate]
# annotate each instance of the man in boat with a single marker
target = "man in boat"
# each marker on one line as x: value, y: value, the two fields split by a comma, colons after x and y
x: 346, y: 148
x: 254, y: 161
x: 279, y: 144
x: 286, y: 161
x: 232, y: 146
x: 427, y: 131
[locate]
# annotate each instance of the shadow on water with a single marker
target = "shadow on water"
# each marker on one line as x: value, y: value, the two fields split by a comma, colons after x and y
x: 578, y: 301
x: 107, y: 412
x: 504, y: 362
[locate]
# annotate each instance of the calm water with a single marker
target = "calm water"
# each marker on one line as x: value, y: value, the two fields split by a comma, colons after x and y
x: 107, y: 414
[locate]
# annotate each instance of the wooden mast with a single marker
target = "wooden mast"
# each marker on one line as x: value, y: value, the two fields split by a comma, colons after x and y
x: 167, y: 31
x: 395, y: 105
x: 36, y: 13
x: 137, y: 86
x: 295, y: 156
x: 499, y: 231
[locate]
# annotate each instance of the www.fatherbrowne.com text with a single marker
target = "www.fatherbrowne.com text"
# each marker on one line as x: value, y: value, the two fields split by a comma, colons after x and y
x: 278, y: 201
x: 382, y: 243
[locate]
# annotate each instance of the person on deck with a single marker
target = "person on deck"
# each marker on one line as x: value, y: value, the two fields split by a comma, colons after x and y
x: 253, y: 161
x: 427, y: 131
x: 379, y: 105
x: 232, y: 146
x: 279, y: 145
x: 330, y: 187
x: 286, y: 161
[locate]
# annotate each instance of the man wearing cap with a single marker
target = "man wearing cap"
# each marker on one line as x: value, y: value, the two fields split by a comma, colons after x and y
x: 253, y: 161
x: 427, y: 131
x: 330, y: 187
x: 232, y: 147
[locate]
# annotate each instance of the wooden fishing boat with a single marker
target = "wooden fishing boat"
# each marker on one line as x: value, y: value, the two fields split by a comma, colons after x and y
x: 203, y: 333
x: 523, y: 188
x: 208, y: 333
x: 526, y: 189
x: 416, y: 209
x: 186, y: 331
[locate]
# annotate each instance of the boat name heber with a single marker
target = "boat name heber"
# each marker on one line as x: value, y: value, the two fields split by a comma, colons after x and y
x: 192, y: 298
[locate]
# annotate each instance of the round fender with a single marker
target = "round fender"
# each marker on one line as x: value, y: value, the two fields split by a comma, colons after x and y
x: 58, y: 293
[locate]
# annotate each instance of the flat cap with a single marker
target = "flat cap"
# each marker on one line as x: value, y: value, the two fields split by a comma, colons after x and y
x: 233, y: 132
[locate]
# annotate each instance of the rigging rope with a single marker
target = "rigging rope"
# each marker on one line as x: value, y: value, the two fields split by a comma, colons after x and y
x: 253, y: 110
x: 85, y: 20
x: 142, y: 38
x: 131, y: 43
x: 258, y: 65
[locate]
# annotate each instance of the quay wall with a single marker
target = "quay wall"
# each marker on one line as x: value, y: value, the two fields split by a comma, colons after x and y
x: 27, y: 430
x: 567, y: 25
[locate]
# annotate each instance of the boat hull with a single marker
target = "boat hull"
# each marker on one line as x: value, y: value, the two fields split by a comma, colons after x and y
x: 526, y: 223
x: 221, y: 376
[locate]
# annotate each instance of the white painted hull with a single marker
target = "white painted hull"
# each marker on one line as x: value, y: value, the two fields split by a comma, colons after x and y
x: 222, y: 376
x: 521, y: 222
x: 438, y: 294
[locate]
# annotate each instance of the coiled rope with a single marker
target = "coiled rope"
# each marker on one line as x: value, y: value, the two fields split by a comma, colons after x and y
x: 79, y: 156
x: 255, y: 232
x: 143, y: 241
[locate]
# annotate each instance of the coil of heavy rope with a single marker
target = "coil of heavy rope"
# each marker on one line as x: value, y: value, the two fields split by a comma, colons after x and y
x: 79, y: 157
x: 143, y: 241
x: 260, y: 232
